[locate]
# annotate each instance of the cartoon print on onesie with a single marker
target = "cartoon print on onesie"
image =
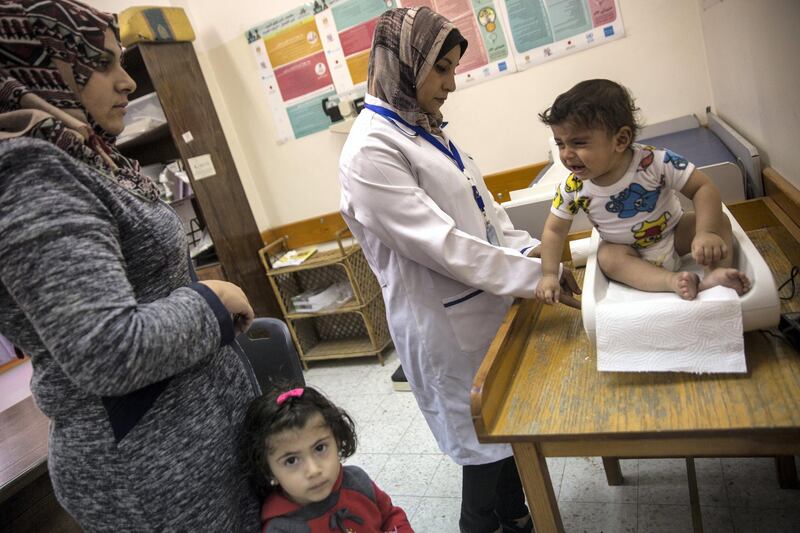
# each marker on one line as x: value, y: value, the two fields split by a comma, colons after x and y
x: 634, y: 199
x: 649, y: 232
x: 678, y: 161
x: 581, y: 202
x: 558, y: 200
x: 647, y: 160
x: 574, y: 183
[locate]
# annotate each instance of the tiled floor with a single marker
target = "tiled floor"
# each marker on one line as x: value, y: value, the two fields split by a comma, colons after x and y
x: 398, y: 451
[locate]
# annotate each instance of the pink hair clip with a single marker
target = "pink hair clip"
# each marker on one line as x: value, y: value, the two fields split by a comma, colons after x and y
x: 294, y: 393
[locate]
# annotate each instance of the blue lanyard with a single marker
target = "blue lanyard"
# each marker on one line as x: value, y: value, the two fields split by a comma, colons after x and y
x: 452, y: 153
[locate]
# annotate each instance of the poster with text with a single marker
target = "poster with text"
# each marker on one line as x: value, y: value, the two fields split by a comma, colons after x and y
x: 488, y: 54
x: 542, y: 30
x: 346, y: 29
x: 294, y: 71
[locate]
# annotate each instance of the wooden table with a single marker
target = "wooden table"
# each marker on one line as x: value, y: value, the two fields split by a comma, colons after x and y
x: 23, y: 446
x: 539, y: 389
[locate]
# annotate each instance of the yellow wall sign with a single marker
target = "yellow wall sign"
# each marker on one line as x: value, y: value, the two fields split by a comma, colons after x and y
x: 293, y: 43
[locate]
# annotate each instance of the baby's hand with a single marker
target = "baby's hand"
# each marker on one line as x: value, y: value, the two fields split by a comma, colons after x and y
x: 548, y: 289
x: 708, y: 248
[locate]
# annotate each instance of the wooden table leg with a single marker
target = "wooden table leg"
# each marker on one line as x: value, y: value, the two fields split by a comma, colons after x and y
x: 538, y: 487
x: 787, y: 472
x: 613, y: 471
x: 694, y: 496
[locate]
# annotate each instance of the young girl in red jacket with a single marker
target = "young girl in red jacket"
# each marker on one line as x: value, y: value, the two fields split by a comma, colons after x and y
x: 294, y: 442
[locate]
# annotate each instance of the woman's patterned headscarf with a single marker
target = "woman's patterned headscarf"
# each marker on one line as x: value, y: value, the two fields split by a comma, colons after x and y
x: 404, y: 49
x: 34, y: 33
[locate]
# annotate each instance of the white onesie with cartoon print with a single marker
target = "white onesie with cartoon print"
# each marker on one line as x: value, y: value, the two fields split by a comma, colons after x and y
x: 641, y: 209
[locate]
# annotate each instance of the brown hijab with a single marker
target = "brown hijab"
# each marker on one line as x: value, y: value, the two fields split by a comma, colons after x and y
x: 34, y: 33
x: 406, y: 44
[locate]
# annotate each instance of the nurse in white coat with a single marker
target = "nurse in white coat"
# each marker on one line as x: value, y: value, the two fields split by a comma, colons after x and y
x: 447, y: 257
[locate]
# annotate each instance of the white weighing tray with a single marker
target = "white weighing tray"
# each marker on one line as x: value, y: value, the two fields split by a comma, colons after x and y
x: 760, y: 305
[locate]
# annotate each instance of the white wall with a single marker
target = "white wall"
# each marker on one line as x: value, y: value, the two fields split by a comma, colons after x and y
x: 661, y: 59
x: 754, y: 64
x: 495, y: 121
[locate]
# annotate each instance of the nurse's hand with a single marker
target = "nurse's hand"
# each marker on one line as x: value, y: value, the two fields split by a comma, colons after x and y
x: 569, y: 286
x: 536, y: 251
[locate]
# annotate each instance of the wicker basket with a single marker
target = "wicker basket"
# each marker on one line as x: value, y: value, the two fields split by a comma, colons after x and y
x: 355, y: 329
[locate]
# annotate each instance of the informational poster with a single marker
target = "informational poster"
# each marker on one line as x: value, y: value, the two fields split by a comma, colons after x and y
x: 488, y: 54
x: 542, y: 30
x: 294, y: 70
x: 347, y: 28
x: 318, y: 54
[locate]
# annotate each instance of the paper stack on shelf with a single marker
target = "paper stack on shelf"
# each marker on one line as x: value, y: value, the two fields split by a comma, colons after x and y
x: 293, y: 258
x: 321, y: 298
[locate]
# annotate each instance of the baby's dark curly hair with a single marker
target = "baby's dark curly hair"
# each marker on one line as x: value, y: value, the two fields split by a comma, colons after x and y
x: 265, y: 417
x: 595, y: 104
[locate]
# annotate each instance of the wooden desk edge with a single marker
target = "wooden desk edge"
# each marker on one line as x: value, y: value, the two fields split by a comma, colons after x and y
x: 495, y: 374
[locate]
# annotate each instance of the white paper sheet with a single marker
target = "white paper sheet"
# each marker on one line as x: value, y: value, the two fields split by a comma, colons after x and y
x: 658, y: 332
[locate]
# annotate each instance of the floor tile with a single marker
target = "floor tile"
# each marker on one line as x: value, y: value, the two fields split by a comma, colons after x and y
x: 418, y: 439
x: 717, y: 519
x: 766, y: 520
x: 753, y: 483
x: 380, y: 436
x: 371, y: 463
x: 397, y: 406
x: 664, y: 518
x: 446, y: 482
x: 339, y: 384
x: 663, y: 481
x: 711, y: 482
x: 408, y: 474
x: 409, y: 504
x: 585, y: 481
x: 555, y: 465
x: 580, y: 517
x: 437, y: 515
x: 361, y: 408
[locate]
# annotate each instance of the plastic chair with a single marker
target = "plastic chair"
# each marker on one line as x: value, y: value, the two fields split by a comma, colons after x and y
x: 269, y: 347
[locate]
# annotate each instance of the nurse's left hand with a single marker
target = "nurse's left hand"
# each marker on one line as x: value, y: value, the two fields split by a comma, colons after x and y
x: 569, y: 286
x: 536, y: 251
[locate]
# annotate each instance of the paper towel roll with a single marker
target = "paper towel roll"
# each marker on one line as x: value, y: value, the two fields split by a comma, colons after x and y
x: 665, y: 333
x: 580, y: 251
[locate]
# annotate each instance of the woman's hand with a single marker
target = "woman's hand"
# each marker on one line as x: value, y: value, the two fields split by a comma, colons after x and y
x: 569, y: 286
x: 235, y: 301
x: 536, y: 251
x: 551, y: 290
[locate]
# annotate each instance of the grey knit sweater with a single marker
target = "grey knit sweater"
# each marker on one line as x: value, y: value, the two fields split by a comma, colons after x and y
x: 145, y: 402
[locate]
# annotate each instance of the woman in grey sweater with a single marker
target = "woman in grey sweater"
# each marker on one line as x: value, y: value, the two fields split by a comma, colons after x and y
x: 132, y: 358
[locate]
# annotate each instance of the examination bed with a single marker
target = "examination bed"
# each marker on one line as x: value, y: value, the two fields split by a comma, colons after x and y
x: 731, y: 163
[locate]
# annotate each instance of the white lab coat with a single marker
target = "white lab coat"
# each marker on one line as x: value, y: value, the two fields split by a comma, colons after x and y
x: 446, y: 288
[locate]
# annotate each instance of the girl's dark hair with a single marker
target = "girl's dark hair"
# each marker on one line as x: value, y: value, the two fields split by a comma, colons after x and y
x: 594, y: 104
x: 265, y: 418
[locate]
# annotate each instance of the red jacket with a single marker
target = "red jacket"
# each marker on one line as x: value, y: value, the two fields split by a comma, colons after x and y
x: 355, y: 505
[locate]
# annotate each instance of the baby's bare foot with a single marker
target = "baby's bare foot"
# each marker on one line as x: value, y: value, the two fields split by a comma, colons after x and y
x: 685, y: 284
x: 727, y: 277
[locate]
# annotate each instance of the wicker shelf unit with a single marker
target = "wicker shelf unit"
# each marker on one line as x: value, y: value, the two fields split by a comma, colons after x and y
x: 355, y: 329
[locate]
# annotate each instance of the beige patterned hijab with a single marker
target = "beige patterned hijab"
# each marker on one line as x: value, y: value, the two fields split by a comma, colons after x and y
x: 404, y: 49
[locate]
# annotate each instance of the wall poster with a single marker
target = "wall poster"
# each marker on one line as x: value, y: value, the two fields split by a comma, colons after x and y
x: 311, y: 57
